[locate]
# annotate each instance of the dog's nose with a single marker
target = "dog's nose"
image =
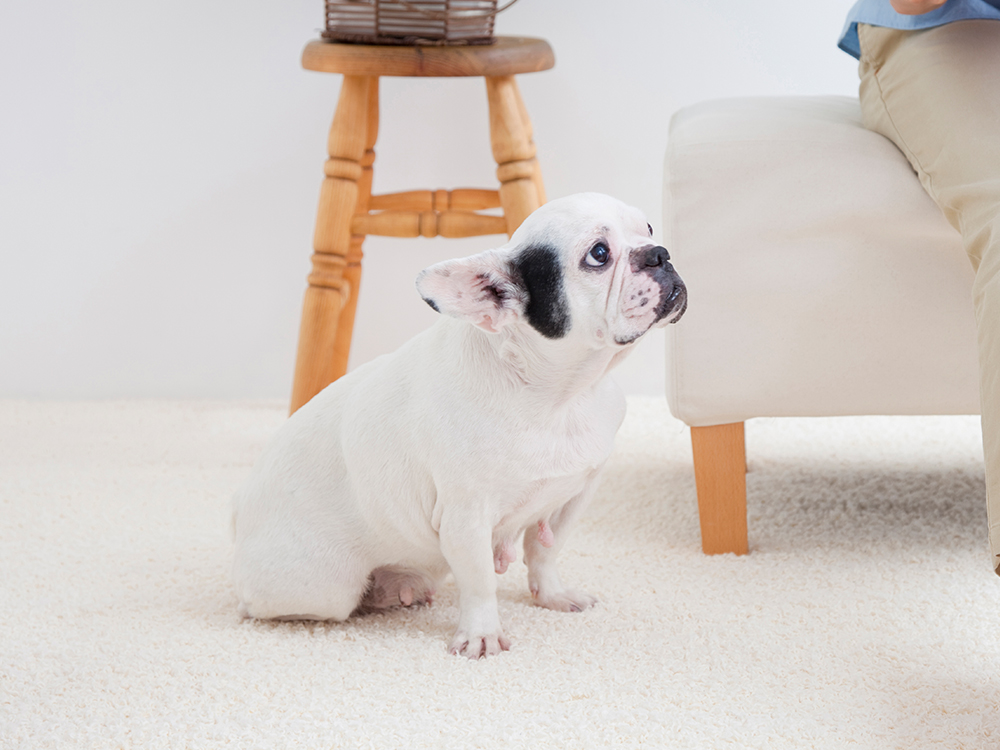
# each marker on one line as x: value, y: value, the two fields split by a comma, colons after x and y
x: 656, y: 256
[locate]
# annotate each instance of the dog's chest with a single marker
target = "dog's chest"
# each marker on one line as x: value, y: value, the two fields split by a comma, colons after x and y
x: 555, y: 462
x: 540, y: 499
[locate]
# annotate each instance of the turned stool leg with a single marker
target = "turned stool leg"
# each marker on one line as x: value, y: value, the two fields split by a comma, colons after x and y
x: 537, y: 175
x: 521, y: 190
x: 325, y: 298
x: 720, y: 475
x: 352, y: 271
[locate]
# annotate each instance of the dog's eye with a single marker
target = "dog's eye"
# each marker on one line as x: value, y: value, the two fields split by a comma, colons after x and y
x: 650, y: 228
x: 598, y: 255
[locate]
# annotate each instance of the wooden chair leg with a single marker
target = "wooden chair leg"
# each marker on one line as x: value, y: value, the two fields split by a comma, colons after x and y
x: 720, y: 475
x: 316, y: 361
x: 521, y: 191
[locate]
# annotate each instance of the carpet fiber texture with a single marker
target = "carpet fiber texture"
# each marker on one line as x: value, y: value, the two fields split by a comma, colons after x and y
x: 866, y: 615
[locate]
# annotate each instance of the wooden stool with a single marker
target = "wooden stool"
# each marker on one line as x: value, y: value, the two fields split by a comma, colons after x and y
x: 347, y: 209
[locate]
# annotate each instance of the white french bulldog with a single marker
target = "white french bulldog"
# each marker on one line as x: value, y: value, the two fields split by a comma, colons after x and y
x: 493, y: 422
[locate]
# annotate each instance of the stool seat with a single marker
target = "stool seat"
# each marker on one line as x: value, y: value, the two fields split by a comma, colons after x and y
x: 507, y: 56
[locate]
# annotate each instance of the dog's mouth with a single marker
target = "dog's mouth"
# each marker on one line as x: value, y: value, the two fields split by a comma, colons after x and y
x: 626, y: 341
x: 669, y: 310
x: 675, y: 305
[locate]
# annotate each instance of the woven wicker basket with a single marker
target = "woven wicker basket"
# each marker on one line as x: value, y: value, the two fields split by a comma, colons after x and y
x: 431, y: 22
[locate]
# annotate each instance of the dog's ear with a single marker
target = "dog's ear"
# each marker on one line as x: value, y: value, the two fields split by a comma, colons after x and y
x: 482, y: 289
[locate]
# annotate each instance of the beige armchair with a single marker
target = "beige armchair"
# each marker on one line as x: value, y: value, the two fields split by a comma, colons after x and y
x: 823, y: 281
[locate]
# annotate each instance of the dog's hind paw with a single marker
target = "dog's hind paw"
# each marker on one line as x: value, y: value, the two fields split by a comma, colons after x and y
x: 566, y: 600
x: 393, y: 587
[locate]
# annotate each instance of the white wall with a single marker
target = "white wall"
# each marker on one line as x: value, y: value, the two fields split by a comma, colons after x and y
x: 160, y: 166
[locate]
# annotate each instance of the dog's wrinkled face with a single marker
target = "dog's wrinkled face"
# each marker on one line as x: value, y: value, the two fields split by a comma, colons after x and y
x: 584, y: 266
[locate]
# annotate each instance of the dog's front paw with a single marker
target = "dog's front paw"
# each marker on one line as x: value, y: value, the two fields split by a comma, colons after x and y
x: 564, y: 600
x: 478, y: 646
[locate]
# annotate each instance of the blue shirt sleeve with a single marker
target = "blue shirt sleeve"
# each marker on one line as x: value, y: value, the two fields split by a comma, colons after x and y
x: 880, y: 13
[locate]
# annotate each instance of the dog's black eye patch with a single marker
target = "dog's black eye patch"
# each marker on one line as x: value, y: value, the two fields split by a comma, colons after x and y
x: 540, y: 273
x: 650, y: 228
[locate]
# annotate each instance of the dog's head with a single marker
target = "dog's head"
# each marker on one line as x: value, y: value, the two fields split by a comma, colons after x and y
x: 581, y: 266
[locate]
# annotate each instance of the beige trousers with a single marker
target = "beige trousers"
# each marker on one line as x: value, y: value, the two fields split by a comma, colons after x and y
x: 936, y: 94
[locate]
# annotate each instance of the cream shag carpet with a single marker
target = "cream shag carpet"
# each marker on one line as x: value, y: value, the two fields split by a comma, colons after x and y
x: 866, y: 616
